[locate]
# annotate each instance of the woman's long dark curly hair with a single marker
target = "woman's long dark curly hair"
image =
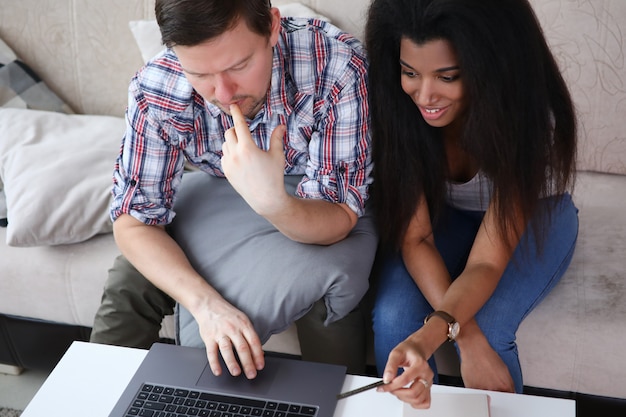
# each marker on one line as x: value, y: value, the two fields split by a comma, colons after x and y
x: 520, y: 124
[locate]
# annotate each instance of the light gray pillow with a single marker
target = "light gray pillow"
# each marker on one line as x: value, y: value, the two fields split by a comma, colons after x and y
x: 56, y: 169
x: 271, y: 278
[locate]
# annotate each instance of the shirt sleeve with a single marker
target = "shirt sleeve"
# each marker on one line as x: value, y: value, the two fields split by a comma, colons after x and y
x: 148, y: 168
x: 340, y: 163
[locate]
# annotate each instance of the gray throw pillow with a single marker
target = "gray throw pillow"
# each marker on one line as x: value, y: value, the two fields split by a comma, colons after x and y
x: 269, y: 277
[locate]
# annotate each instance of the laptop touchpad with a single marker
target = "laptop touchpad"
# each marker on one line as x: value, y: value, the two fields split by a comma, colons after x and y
x: 229, y: 384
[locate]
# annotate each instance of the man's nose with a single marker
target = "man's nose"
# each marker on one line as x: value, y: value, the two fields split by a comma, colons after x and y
x: 224, y: 89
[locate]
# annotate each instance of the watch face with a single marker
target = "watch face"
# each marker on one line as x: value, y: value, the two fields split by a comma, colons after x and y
x: 454, y: 330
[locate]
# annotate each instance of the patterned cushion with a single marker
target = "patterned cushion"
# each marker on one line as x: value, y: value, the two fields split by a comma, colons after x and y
x: 20, y: 87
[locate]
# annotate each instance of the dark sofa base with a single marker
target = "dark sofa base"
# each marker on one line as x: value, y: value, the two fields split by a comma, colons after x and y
x: 36, y: 344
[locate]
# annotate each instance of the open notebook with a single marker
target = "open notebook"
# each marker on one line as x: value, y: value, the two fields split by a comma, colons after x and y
x: 452, y: 405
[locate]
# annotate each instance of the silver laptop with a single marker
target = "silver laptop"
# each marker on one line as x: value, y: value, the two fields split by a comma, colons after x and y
x: 175, y: 381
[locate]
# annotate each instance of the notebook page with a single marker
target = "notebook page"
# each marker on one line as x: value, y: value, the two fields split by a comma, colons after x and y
x: 452, y: 405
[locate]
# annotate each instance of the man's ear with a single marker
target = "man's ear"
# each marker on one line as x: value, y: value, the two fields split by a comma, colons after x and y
x: 275, y: 25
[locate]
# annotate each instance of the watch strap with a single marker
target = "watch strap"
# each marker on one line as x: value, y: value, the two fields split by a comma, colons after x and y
x: 439, y: 313
x: 451, y: 321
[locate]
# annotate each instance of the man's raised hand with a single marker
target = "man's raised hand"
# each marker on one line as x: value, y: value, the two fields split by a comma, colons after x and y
x: 257, y: 175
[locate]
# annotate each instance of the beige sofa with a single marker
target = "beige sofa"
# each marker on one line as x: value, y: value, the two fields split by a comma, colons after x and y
x: 572, y: 343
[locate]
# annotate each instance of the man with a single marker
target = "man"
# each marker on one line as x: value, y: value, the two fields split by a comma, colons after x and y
x: 244, y: 94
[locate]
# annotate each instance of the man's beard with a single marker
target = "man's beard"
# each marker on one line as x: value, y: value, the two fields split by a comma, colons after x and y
x: 249, y: 110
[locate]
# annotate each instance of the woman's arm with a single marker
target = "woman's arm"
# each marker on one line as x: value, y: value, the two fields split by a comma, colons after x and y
x: 462, y: 298
x: 481, y: 366
x: 487, y: 260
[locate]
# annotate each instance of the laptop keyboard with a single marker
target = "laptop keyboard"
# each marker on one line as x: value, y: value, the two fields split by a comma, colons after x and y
x: 164, y: 401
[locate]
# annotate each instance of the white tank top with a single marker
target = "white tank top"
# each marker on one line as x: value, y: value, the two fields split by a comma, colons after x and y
x: 472, y: 195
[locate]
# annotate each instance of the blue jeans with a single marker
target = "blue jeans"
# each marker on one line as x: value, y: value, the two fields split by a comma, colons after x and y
x: 400, y: 307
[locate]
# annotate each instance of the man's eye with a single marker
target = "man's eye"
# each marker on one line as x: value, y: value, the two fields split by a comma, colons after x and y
x: 238, y: 68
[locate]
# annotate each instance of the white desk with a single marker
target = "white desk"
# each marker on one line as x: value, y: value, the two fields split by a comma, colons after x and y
x: 87, y: 368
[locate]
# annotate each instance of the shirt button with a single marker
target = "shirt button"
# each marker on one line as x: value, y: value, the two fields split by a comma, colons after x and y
x: 132, y: 183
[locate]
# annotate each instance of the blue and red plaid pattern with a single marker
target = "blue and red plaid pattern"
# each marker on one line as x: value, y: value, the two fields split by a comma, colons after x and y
x: 318, y: 90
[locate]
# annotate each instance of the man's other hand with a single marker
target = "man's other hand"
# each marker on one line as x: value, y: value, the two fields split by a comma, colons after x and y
x: 257, y: 175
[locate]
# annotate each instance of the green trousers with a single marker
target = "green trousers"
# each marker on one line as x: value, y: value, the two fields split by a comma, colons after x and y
x: 132, y: 310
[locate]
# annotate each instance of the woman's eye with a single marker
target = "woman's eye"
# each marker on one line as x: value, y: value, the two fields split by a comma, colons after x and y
x: 449, y: 78
x: 409, y: 74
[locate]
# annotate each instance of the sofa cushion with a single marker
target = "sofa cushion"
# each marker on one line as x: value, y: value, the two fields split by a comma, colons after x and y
x: 587, y: 39
x: 573, y: 340
x: 57, y: 174
x: 20, y: 87
x: 272, y: 279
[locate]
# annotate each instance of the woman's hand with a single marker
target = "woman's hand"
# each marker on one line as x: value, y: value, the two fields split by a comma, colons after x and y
x: 481, y: 366
x: 413, y: 385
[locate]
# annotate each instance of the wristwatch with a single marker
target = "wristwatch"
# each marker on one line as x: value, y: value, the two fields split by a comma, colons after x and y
x: 453, y: 326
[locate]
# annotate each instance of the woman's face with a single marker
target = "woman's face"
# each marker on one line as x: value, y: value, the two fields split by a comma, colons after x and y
x: 431, y: 76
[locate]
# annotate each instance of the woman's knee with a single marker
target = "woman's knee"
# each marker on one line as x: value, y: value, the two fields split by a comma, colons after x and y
x: 399, y: 306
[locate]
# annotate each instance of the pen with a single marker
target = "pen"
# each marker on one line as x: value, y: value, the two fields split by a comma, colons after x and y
x: 357, y: 390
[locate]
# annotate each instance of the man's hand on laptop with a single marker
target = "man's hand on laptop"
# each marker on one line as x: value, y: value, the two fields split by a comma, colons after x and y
x: 226, y: 330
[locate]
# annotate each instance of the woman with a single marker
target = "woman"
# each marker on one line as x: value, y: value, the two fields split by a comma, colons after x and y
x: 474, y: 142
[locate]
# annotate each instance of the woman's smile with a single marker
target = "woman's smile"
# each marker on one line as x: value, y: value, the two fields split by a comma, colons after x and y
x: 430, y: 113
